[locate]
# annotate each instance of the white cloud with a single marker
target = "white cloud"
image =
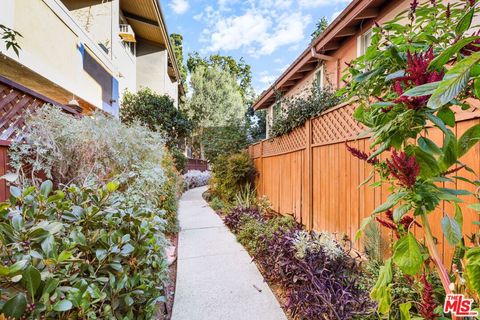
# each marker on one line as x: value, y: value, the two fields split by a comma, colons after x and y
x: 262, y: 27
x: 283, y: 68
x: 290, y: 32
x: 235, y: 32
x: 319, y: 3
x: 267, y: 79
x: 179, y: 6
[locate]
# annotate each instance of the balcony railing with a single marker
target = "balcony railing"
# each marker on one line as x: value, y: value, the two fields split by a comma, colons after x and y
x: 126, y: 33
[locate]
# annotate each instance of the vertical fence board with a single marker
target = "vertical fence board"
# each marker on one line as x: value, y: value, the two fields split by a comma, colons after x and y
x: 310, y: 174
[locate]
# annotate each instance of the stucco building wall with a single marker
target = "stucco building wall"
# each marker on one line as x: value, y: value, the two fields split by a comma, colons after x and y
x: 152, y: 70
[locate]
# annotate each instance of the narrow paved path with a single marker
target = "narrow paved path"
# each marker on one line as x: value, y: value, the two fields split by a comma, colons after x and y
x: 216, y: 278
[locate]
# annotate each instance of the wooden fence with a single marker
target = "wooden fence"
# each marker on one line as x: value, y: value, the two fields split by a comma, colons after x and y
x: 310, y: 174
x: 196, y: 164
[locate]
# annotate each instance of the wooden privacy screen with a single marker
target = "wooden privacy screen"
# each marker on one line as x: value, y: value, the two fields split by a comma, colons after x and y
x: 310, y: 174
x: 16, y: 101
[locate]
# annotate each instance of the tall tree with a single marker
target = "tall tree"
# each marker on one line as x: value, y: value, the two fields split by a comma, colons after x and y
x: 320, y: 26
x: 177, y: 44
x: 216, y: 100
x: 240, y: 70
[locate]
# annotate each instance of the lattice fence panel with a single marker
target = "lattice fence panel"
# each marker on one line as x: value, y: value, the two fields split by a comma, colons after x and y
x: 295, y: 140
x: 336, y: 126
x: 256, y: 150
x: 16, y: 102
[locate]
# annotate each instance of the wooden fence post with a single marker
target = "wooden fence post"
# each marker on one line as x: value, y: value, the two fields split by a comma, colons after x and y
x: 308, y: 193
x: 262, y: 175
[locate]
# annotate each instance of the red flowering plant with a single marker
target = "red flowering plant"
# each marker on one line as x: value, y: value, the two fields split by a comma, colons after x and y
x: 420, y: 70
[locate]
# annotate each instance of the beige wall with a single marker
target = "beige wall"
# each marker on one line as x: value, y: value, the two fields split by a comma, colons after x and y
x: 54, y: 46
x: 61, y: 48
x: 96, y: 17
x: 152, y: 64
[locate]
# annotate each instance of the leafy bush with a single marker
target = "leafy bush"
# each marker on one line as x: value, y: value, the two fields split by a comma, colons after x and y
x: 79, y: 253
x: 157, y: 113
x: 196, y: 178
x: 231, y: 174
x: 170, y: 189
x: 246, y: 197
x: 224, y: 140
x: 114, y: 269
x: 294, y: 112
x: 179, y: 159
x: 253, y: 233
x: 234, y: 218
x: 322, y: 280
x: 217, y: 204
x: 419, y: 69
x: 83, y: 151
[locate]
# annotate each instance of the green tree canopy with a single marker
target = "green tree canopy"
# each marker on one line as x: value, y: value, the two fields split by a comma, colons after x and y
x: 216, y: 98
x: 240, y: 70
x: 156, y: 112
x: 216, y: 103
x: 320, y: 26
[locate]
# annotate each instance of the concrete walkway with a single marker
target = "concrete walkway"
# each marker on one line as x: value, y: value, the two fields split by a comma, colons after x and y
x: 216, y: 278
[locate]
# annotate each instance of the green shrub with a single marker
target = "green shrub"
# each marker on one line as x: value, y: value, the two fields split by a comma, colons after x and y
x: 114, y: 240
x: 83, y: 151
x: 224, y: 140
x: 217, y: 204
x: 179, y: 159
x: 251, y: 229
x: 156, y: 112
x: 92, y: 150
x: 171, y: 189
x: 80, y: 253
x: 246, y: 197
x: 231, y: 174
x: 294, y: 112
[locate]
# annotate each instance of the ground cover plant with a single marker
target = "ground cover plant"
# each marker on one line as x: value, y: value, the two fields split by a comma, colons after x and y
x: 83, y: 233
x: 196, y: 178
x: 320, y: 277
x: 421, y: 69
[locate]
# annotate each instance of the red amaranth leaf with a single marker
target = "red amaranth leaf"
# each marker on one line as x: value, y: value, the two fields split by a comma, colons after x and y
x: 403, y: 168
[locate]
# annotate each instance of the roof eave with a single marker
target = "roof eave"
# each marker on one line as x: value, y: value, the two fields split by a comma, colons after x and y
x: 163, y: 27
x: 356, y: 6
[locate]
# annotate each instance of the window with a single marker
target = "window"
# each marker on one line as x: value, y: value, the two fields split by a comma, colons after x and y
x: 320, y: 77
x: 363, y: 42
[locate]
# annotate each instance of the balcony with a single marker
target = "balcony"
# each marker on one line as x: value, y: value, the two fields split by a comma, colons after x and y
x: 126, y: 33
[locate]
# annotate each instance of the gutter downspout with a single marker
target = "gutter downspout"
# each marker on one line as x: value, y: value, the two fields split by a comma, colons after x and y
x: 324, y: 57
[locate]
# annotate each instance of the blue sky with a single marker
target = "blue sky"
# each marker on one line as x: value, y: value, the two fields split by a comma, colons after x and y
x: 268, y: 34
